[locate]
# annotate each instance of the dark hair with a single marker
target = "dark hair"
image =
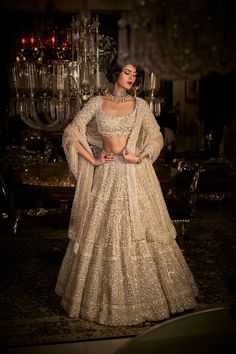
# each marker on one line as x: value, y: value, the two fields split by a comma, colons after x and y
x: 115, y: 69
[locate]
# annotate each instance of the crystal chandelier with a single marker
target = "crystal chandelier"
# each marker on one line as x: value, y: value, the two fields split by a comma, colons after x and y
x: 54, y: 76
x: 179, y: 39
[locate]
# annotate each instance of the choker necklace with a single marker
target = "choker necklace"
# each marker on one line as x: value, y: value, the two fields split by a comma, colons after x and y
x: 117, y: 97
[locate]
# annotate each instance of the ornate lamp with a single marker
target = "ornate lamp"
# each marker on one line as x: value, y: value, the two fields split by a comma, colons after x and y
x: 54, y: 75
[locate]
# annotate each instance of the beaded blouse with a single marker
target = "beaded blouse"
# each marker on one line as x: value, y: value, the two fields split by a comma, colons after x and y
x: 110, y: 125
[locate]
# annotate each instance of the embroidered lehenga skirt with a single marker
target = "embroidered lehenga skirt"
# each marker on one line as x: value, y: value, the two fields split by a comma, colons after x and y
x: 129, y: 268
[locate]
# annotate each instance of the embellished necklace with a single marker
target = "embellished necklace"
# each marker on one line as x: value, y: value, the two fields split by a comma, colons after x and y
x: 117, y: 97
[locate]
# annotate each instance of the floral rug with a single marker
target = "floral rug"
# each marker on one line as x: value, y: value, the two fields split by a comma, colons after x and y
x: 31, y: 312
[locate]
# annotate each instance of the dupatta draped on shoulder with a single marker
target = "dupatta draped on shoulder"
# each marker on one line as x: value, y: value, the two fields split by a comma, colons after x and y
x: 145, y: 134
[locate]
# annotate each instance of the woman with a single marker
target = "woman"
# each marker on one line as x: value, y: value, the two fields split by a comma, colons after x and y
x: 122, y: 265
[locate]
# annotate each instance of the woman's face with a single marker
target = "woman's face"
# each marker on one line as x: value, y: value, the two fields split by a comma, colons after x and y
x: 127, y: 77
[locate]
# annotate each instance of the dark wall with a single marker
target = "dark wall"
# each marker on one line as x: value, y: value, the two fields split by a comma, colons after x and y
x: 217, y: 104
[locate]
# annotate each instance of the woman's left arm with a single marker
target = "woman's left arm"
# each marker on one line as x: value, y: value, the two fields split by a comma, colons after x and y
x: 150, y: 140
x: 131, y: 158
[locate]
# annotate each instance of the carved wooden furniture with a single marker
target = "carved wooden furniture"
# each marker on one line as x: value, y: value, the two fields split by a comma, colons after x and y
x: 179, y: 191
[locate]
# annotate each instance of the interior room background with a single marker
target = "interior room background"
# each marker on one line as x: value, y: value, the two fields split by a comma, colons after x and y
x: 201, y: 109
x: 213, y: 103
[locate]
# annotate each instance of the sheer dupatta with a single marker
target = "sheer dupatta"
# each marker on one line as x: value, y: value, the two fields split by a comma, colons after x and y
x: 145, y: 134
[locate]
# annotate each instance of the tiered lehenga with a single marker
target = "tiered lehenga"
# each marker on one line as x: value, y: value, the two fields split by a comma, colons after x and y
x: 122, y: 265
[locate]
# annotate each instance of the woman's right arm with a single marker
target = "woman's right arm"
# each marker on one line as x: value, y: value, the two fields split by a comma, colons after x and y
x: 74, y: 139
x: 74, y: 136
x: 101, y: 159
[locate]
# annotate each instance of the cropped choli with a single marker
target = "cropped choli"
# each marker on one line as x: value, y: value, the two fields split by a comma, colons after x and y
x: 110, y: 125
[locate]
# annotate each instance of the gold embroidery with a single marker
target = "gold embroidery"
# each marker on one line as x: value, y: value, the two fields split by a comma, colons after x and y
x: 123, y: 265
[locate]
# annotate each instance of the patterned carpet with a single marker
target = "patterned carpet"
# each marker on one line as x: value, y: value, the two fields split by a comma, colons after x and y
x: 31, y: 311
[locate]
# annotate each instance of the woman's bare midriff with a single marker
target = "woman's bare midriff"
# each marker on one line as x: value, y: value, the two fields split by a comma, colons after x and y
x: 114, y: 144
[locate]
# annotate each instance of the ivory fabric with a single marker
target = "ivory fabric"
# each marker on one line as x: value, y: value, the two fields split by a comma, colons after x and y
x: 122, y: 265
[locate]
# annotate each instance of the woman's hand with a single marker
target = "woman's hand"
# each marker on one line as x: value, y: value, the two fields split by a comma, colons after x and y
x: 129, y: 157
x: 104, y: 157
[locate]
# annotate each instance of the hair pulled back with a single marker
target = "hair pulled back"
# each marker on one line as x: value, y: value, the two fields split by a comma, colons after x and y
x: 115, y: 69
